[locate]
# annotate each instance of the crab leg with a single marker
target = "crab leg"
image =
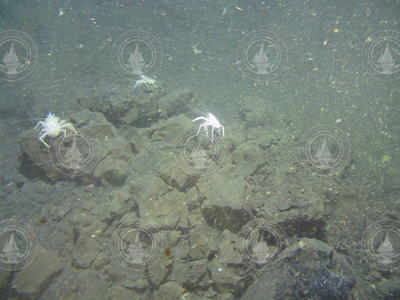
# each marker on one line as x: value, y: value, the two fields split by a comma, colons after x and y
x: 39, y: 123
x: 137, y: 83
x: 41, y: 138
x: 201, y: 126
x: 70, y: 126
x: 199, y: 118
x: 64, y: 131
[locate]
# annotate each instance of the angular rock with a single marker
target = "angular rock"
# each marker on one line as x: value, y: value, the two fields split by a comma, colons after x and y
x: 121, y: 293
x: 151, y: 106
x: 115, y: 206
x: 167, y: 212
x: 96, y: 137
x: 190, y: 274
x: 77, y: 284
x: 225, y: 296
x: 129, y: 219
x: 139, y: 143
x: 202, y: 242
x: 168, y: 238
x: 171, y: 130
x: 248, y: 157
x: 223, y: 201
x: 226, y: 279
x: 146, y: 187
x: 80, y: 217
x: 39, y: 274
x: 85, y: 252
x: 137, y: 284
x: 158, y: 273
x: 102, y: 260
x: 178, y: 250
x: 33, y: 152
x: 294, y: 209
x: 194, y: 202
x: 112, y: 110
x: 173, y: 175
x: 173, y: 104
x: 94, y: 124
x: 144, y: 110
x: 228, y: 253
x: 169, y: 290
x: 389, y: 286
x: 193, y: 296
x: 113, y: 169
x: 158, y: 105
x: 308, y: 269
x: 282, y: 193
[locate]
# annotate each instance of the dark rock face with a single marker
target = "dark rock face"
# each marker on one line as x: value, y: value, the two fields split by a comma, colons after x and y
x: 140, y: 112
x: 32, y: 156
x: 309, y: 269
x: 225, y: 217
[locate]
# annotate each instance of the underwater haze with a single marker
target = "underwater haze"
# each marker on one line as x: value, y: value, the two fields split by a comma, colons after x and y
x: 192, y: 150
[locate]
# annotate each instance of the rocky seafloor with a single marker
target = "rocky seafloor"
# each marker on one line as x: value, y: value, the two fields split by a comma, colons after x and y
x: 194, y: 204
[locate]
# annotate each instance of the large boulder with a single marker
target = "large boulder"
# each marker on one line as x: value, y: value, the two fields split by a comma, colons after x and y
x: 102, y: 154
x: 223, y: 194
x: 308, y: 269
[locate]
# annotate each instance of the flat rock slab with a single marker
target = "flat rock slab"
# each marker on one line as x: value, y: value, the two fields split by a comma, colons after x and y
x: 39, y: 274
x: 165, y: 213
x: 223, y: 202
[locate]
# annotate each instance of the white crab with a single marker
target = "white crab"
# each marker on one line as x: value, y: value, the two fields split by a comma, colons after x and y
x: 210, y: 121
x: 147, y: 81
x: 52, y: 126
